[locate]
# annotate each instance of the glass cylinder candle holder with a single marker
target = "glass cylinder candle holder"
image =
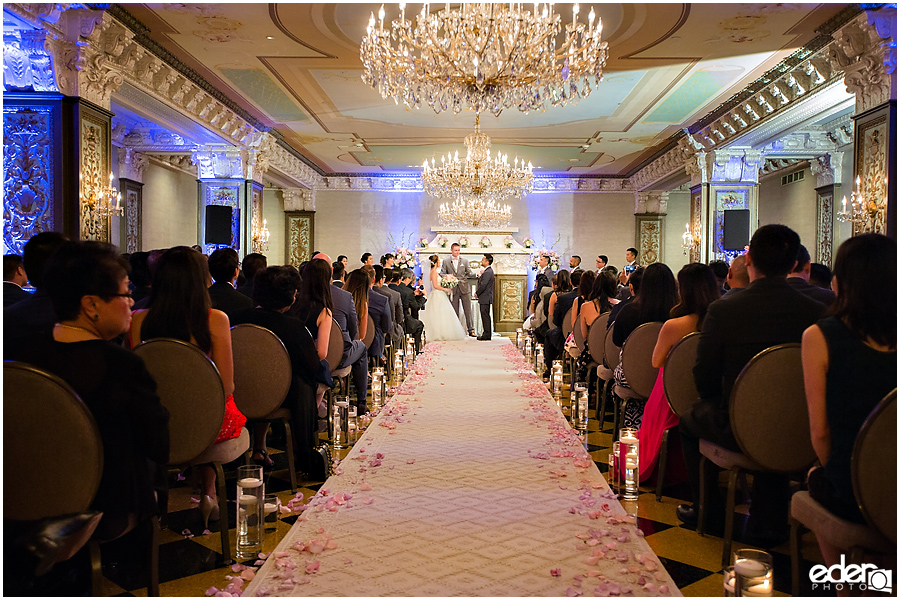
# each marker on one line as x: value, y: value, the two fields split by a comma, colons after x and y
x: 341, y: 423
x: 582, y: 409
x: 377, y: 387
x: 528, y: 349
x: 557, y: 377
x: 628, y: 456
x: 519, y: 338
x: 398, y: 365
x: 751, y: 575
x: 271, y: 510
x: 612, y: 471
x: 352, y: 427
x: 250, y: 515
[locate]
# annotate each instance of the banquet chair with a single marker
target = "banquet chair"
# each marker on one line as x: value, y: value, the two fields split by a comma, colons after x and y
x: 637, y: 366
x: 770, y: 423
x: 596, y: 340
x: 340, y: 376
x: 189, y: 386
x: 370, y: 337
x: 262, y: 378
x: 579, y: 336
x: 65, y: 453
x: 681, y: 392
x: 873, y: 472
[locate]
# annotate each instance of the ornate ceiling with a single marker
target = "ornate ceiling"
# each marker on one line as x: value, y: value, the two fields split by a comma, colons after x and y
x: 296, y: 69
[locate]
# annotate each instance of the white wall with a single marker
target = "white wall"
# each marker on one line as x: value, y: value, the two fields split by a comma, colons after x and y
x: 793, y: 205
x: 273, y: 212
x: 679, y: 213
x: 169, y: 208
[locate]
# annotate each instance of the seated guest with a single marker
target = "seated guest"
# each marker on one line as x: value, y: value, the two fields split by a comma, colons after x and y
x: 634, y: 288
x: 562, y: 295
x: 274, y: 291
x: 820, y: 275
x: 737, y: 278
x: 395, y: 306
x: 720, y: 269
x: 224, y: 267
x: 659, y: 293
x: 88, y: 285
x: 33, y: 315
x: 14, y: 278
x: 357, y: 285
x: 698, y: 287
x: 849, y: 365
x: 798, y: 279
x: 180, y: 309
x: 380, y: 311
x: 585, y: 286
x: 338, y: 273
x: 314, y: 309
x: 252, y: 264
x: 140, y: 275
x: 766, y: 314
x: 600, y: 300
x: 152, y: 261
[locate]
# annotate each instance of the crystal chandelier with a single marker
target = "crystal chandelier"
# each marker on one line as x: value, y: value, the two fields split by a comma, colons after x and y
x: 865, y: 212
x: 478, y: 185
x: 484, y: 57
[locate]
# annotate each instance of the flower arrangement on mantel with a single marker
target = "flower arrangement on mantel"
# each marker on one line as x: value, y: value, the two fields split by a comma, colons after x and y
x: 442, y: 241
x: 485, y: 242
x: 423, y: 242
x: 551, y: 254
x: 464, y: 241
x: 528, y: 242
x: 508, y: 241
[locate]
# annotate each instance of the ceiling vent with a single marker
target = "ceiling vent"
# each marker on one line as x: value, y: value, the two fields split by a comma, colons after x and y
x: 795, y: 176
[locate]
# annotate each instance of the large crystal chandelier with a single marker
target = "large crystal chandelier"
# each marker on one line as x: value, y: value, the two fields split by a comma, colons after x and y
x: 477, y: 184
x: 484, y: 57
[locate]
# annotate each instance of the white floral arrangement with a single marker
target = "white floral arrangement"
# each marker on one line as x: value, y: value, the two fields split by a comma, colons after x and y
x: 464, y: 241
x: 508, y: 241
x: 448, y: 281
x: 528, y: 242
x: 485, y: 242
x: 406, y: 257
x: 551, y: 254
x: 442, y: 241
x: 423, y: 242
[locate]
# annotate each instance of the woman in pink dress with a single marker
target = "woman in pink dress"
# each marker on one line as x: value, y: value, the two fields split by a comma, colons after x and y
x: 697, y: 289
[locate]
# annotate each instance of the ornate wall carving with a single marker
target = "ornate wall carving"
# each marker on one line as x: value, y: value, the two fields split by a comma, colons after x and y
x: 94, y: 177
x: 696, y: 222
x: 510, y: 303
x: 299, y: 233
x: 28, y: 178
x: 824, y: 224
x: 299, y: 199
x: 132, y: 192
x: 872, y: 169
x: 866, y: 50
x: 650, y: 238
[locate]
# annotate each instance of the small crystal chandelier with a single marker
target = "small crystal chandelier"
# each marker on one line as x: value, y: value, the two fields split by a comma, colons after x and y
x: 484, y: 57
x: 260, y: 237
x: 688, y: 241
x: 478, y: 185
x: 865, y: 213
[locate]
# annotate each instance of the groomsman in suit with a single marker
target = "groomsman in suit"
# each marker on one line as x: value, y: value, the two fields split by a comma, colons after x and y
x: 454, y: 265
x: 484, y: 293
x: 544, y: 268
x: 602, y: 261
x: 575, y: 264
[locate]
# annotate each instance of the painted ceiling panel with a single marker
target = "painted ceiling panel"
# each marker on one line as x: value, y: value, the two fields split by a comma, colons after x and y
x: 260, y: 88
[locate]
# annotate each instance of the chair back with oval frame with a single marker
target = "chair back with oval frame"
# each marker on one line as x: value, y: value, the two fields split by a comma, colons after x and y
x: 637, y: 353
x: 335, y: 346
x: 567, y: 324
x: 596, y: 339
x: 370, y: 332
x: 678, y: 375
x: 262, y: 370
x: 579, y: 337
x: 874, y: 467
x: 610, y: 350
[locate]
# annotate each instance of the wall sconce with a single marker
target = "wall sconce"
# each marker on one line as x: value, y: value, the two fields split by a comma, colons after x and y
x: 688, y: 240
x: 260, y: 237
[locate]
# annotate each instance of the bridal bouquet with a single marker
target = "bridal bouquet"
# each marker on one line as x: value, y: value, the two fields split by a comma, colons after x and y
x: 406, y: 257
x: 448, y: 282
x: 551, y: 254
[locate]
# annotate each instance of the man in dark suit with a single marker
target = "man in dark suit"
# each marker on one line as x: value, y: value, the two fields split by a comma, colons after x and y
x: 380, y: 312
x: 484, y: 293
x: 735, y: 329
x: 252, y: 264
x: 395, y: 303
x: 14, y: 278
x: 575, y: 263
x: 338, y: 272
x: 34, y: 315
x: 413, y: 302
x: 224, y: 268
x: 799, y: 279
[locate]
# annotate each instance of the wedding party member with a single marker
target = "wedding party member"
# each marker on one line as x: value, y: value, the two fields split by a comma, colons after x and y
x: 14, y: 278
x: 766, y: 314
x: 274, y: 292
x: 575, y: 263
x: 658, y: 294
x: 484, y: 293
x: 180, y: 309
x: 224, y: 267
x: 697, y: 288
x: 601, y: 262
x: 439, y: 320
x: 387, y: 261
x: 849, y: 365
x: 544, y: 266
x: 459, y: 267
x: 87, y: 283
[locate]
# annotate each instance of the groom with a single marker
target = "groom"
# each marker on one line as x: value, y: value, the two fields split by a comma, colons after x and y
x: 454, y: 265
x: 484, y: 293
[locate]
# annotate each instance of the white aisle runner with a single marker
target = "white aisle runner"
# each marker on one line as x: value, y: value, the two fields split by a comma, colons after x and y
x: 471, y: 484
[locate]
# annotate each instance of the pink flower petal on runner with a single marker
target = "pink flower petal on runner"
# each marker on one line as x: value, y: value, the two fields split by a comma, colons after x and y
x: 556, y: 572
x: 281, y: 554
x: 259, y: 563
x: 211, y: 591
x: 237, y: 567
x: 206, y: 532
x: 263, y: 556
x: 411, y: 461
x: 312, y: 566
x: 365, y: 487
x: 663, y: 590
x: 248, y: 575
x: 572, y: 592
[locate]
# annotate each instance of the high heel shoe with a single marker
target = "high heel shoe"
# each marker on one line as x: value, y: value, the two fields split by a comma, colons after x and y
x: 209, y: 509
x: 265, y: 462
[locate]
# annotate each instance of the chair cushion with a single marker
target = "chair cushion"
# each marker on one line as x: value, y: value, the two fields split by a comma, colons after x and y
x: 342, y: 372
x: 226, y: 451
x: 624, y: 392
x: 834, y: 530
x: 724, y: 458
x: 278, y: 413
x: 604, y: 373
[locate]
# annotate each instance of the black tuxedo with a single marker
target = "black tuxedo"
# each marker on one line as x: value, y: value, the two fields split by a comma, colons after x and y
x: 735, y: 329
x: 12, y: 293
x: 227, y: 299
x: 485, y: 292
x: 815, y: 292
x: 412, y: 304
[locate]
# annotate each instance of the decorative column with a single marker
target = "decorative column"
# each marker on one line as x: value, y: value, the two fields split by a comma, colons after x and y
x: 733, y: 185
x: 698, y: 169
x: 827, y: 169
x: 131, y: 185
x: 866, y: 50
x: 650, y: 225
x: 299, y: 224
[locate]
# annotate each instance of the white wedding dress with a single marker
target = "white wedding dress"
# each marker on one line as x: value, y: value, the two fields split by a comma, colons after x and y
x: 441, y: 324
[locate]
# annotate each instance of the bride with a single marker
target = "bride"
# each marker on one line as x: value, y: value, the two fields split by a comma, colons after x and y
x: 441, y: 324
